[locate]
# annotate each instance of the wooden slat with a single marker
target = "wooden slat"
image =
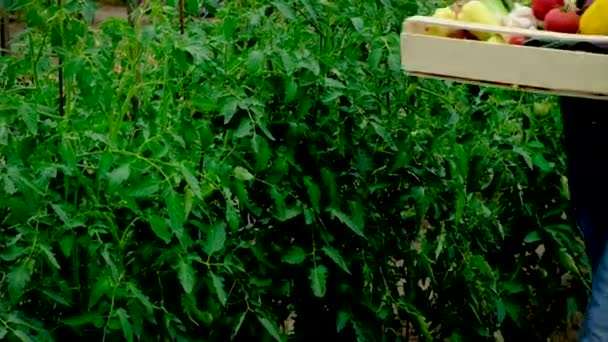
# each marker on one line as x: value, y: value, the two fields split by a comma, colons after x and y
x: 416, y: 24
x: 511, y: 87
x: 548, y: 70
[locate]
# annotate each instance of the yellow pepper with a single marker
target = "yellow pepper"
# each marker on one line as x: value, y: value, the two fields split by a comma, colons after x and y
x: 496, y: 39
x: 595, y: 19
x: 442, y: 13
x: 476, y: 11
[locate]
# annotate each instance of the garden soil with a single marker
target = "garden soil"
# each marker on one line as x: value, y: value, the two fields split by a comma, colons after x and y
x: 105, y: 11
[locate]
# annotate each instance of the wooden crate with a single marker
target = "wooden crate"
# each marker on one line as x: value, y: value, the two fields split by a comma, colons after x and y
x: 535, y: 69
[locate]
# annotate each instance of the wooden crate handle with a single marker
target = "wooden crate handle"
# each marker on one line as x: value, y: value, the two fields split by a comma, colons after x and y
x: 416, y: 24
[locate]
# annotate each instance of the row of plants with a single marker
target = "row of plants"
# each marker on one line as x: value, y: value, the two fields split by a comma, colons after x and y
x: 272, y: 175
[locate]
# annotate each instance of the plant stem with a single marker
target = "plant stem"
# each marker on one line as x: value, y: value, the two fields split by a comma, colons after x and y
x: 130, y: 8
x: 3, y: 31
x: 60, y: 71
x: 182, y: 16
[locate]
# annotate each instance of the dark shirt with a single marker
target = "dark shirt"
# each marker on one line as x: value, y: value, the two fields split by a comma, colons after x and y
x: 586, y: 142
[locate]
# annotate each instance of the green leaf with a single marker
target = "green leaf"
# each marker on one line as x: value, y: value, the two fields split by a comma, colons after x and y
x: 127, y: 329
x: 228, y: 27
x: 532, y: 237
x: 255, y: 61
x: 12, y: 253
x: 296, y: 255
x: 567, y: 261
x: 329, y: 186
x: 30, y: 116
x: 242, y: 174
x: 216, y: 238
x: 206, y: 134
x: 142, y: 298
x: 61, y: 213
x: 99, y: 289
x: 279, y: 201
x: 331, y: 96
x: 66, y: 150
x: 66, y: 244
x: 262, y: 125
x: 242, y: 194
x: 143, y: 190
x: 105, y: 254
x: 375, y: 57
x: 22, y: 335
x: 440, y: 243
x: 501, y: 310
x: 421, y: 320
x: 479, y: 263
x: 50, y: 256
x: 262, y: 152
x: 105, y: 163
x: 192, y: 6
x: 394, y: 59
x: 314, y: 194
x: 18, y: 278
x: 229, y: 109
x: 237, y: 326
x: 288, y: 214
x: 291, y: 90
x: 524, y: 155
x: 386, y: 136
x: 462, y: 161
x: 218, y: 284
x: 336, y: 257
x: 357, y: 214
x: 271, y: 328
x: 119, y: 175
x: 245, y: 129
x: 357, y: 23
x: 9, y: 186
x: 515, y: 312
x: 332, y: 83
x: 3, y: 133
x: 461, y: 204
x: 308, y: 216
x: 542, y: 163
x: 59, y: 299
x: 310, y: 10
x: 192, y: 181
x: 347, y: 221
x: 188, y: 201
x: 285, y: 10
x: 176, y: 210
x: 232, y: 216
x: 89, y: 317
x: 318, y: 278
x: 160, y: 227
x: 342, y: 320
x: 289, y: 62
x: 513, y: 286
x: 186, y: 275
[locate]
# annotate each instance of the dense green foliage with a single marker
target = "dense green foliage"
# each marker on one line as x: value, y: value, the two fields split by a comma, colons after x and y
x: 272, y: 175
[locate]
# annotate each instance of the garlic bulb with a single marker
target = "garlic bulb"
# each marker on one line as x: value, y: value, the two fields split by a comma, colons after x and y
x: 521, y: 17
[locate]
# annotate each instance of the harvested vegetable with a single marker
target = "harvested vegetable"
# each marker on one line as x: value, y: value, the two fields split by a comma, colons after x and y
x: 595, y: 19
